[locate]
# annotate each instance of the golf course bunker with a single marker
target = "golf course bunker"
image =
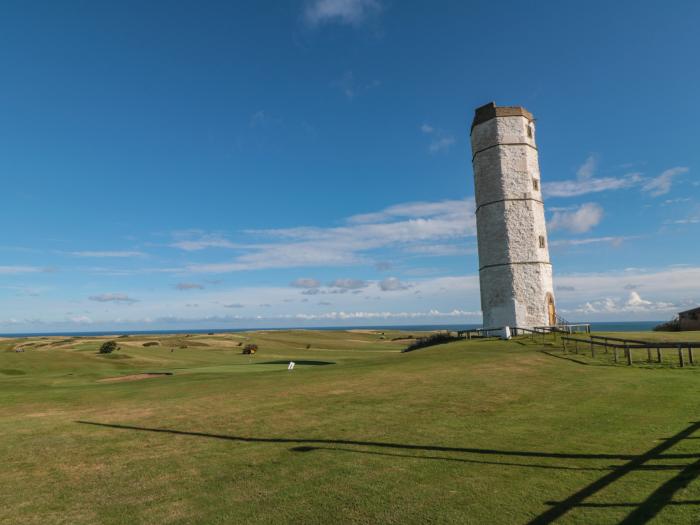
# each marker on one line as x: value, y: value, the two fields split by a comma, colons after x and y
x: 134, y: 377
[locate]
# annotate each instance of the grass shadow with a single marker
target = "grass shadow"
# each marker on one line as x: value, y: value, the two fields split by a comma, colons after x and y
x: 642, y: 512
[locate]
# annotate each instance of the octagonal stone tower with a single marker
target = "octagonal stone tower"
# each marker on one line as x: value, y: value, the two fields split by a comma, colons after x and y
x: 515, y: 273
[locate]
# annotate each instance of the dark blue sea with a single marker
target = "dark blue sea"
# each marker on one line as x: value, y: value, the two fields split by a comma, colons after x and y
x: 626, y: 326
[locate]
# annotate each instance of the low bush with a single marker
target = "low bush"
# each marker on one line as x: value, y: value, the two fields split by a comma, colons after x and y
x: 250, y: 349
x: 108, y: 347
x: 151, y: 343
x: 432, y: 340
x: 674, y: 325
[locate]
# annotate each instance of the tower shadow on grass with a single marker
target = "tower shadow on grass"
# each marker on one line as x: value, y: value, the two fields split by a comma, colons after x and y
x: 641, y: 513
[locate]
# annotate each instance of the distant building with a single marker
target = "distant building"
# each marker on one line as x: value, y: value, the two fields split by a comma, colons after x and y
x: 690, y: 319
x: 515, y: 273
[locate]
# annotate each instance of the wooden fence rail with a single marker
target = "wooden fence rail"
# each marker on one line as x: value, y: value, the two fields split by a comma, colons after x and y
x: 628, y: 345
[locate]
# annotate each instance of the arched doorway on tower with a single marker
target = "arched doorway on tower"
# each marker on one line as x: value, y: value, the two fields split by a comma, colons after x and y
x: 551, y: 310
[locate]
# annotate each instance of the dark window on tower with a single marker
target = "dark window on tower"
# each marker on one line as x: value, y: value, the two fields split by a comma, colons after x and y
x: 535, y: 184
x: 541, y: 241
x: 529, y: 131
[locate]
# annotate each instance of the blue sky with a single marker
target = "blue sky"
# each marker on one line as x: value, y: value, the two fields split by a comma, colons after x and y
x: 231, y: 164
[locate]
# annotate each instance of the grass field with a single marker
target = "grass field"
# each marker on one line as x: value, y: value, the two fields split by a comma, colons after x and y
x: 479, y: 431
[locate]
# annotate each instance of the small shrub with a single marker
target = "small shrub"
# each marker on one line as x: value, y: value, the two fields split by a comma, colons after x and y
x: 250, y: 348
x: 674, y: 325
x: 108, y: 347
x: 431, y: 340
x: 240, y: 344
x: 151, y: 343
x: 308, y: 347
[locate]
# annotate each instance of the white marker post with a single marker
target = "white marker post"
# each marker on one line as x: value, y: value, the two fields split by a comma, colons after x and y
x: 291, y: 365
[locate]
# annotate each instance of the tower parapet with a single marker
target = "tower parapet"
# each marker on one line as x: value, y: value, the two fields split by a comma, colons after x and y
x: 515, y: 272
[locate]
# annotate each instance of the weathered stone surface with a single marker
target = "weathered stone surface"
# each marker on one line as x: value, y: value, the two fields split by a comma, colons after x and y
x: 515, y: 272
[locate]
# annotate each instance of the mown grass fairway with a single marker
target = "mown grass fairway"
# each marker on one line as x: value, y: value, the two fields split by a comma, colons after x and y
x: 470, y: 432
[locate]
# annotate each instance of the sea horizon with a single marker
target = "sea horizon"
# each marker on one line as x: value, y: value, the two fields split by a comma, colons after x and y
x: 603, y: 326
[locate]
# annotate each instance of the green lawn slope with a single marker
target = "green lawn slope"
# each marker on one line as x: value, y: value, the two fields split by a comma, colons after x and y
x: 480, y: 431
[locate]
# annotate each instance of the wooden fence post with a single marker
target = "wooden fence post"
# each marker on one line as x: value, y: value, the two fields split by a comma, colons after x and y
x: 658, y: 354
x: 648, y: 354
x: 615, y: 353
x: 680, y: 356
x: 628, y: 351
x: 690, y: 355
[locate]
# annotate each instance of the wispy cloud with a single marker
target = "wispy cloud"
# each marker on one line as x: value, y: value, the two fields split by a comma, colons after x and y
x: 392, y: 284
x: 348, y: 12
x: 14, y: 270
x: 305, y: 282
x: 349, y: 284
x: 613, y: 240
x: 586, y: 182
x: 106, y: 254
x: 581, y: 220
x: 194, y: 240
x: 661, y: 185
x: 351, y: 87
x: 263, y: 119
x: 587, y: 169
x: 400, y: 226
x: 439, y: 140
x: 189, y: 286
x: 583, y: 186
x: 113, y: 298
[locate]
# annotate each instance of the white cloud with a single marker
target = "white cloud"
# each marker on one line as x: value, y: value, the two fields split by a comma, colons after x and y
x: 305, y: 282
x: 113, y: 298
x: 677, y: 284
x: 14, y: 270
x: 439, y: 141
x: 392, y: 284
x: 661, y: 185
x: 441, y: 144
x: 348, y: 12
x: 614, y: 241
x: 588, y: 168
x: 635, y: 300
x: 351, y: 87
x: 349, y: 284
x: 633, y: 304
x: 194, y: 240
x: 439, y: 250
x: 189, y: 286
x: 108, y: 254
x: 580, y: 220
x: 582, y: 186
x: 396, y: 226
x: 80, y: 319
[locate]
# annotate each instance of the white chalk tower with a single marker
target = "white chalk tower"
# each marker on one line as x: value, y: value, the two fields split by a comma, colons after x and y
x: 515, y: 273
